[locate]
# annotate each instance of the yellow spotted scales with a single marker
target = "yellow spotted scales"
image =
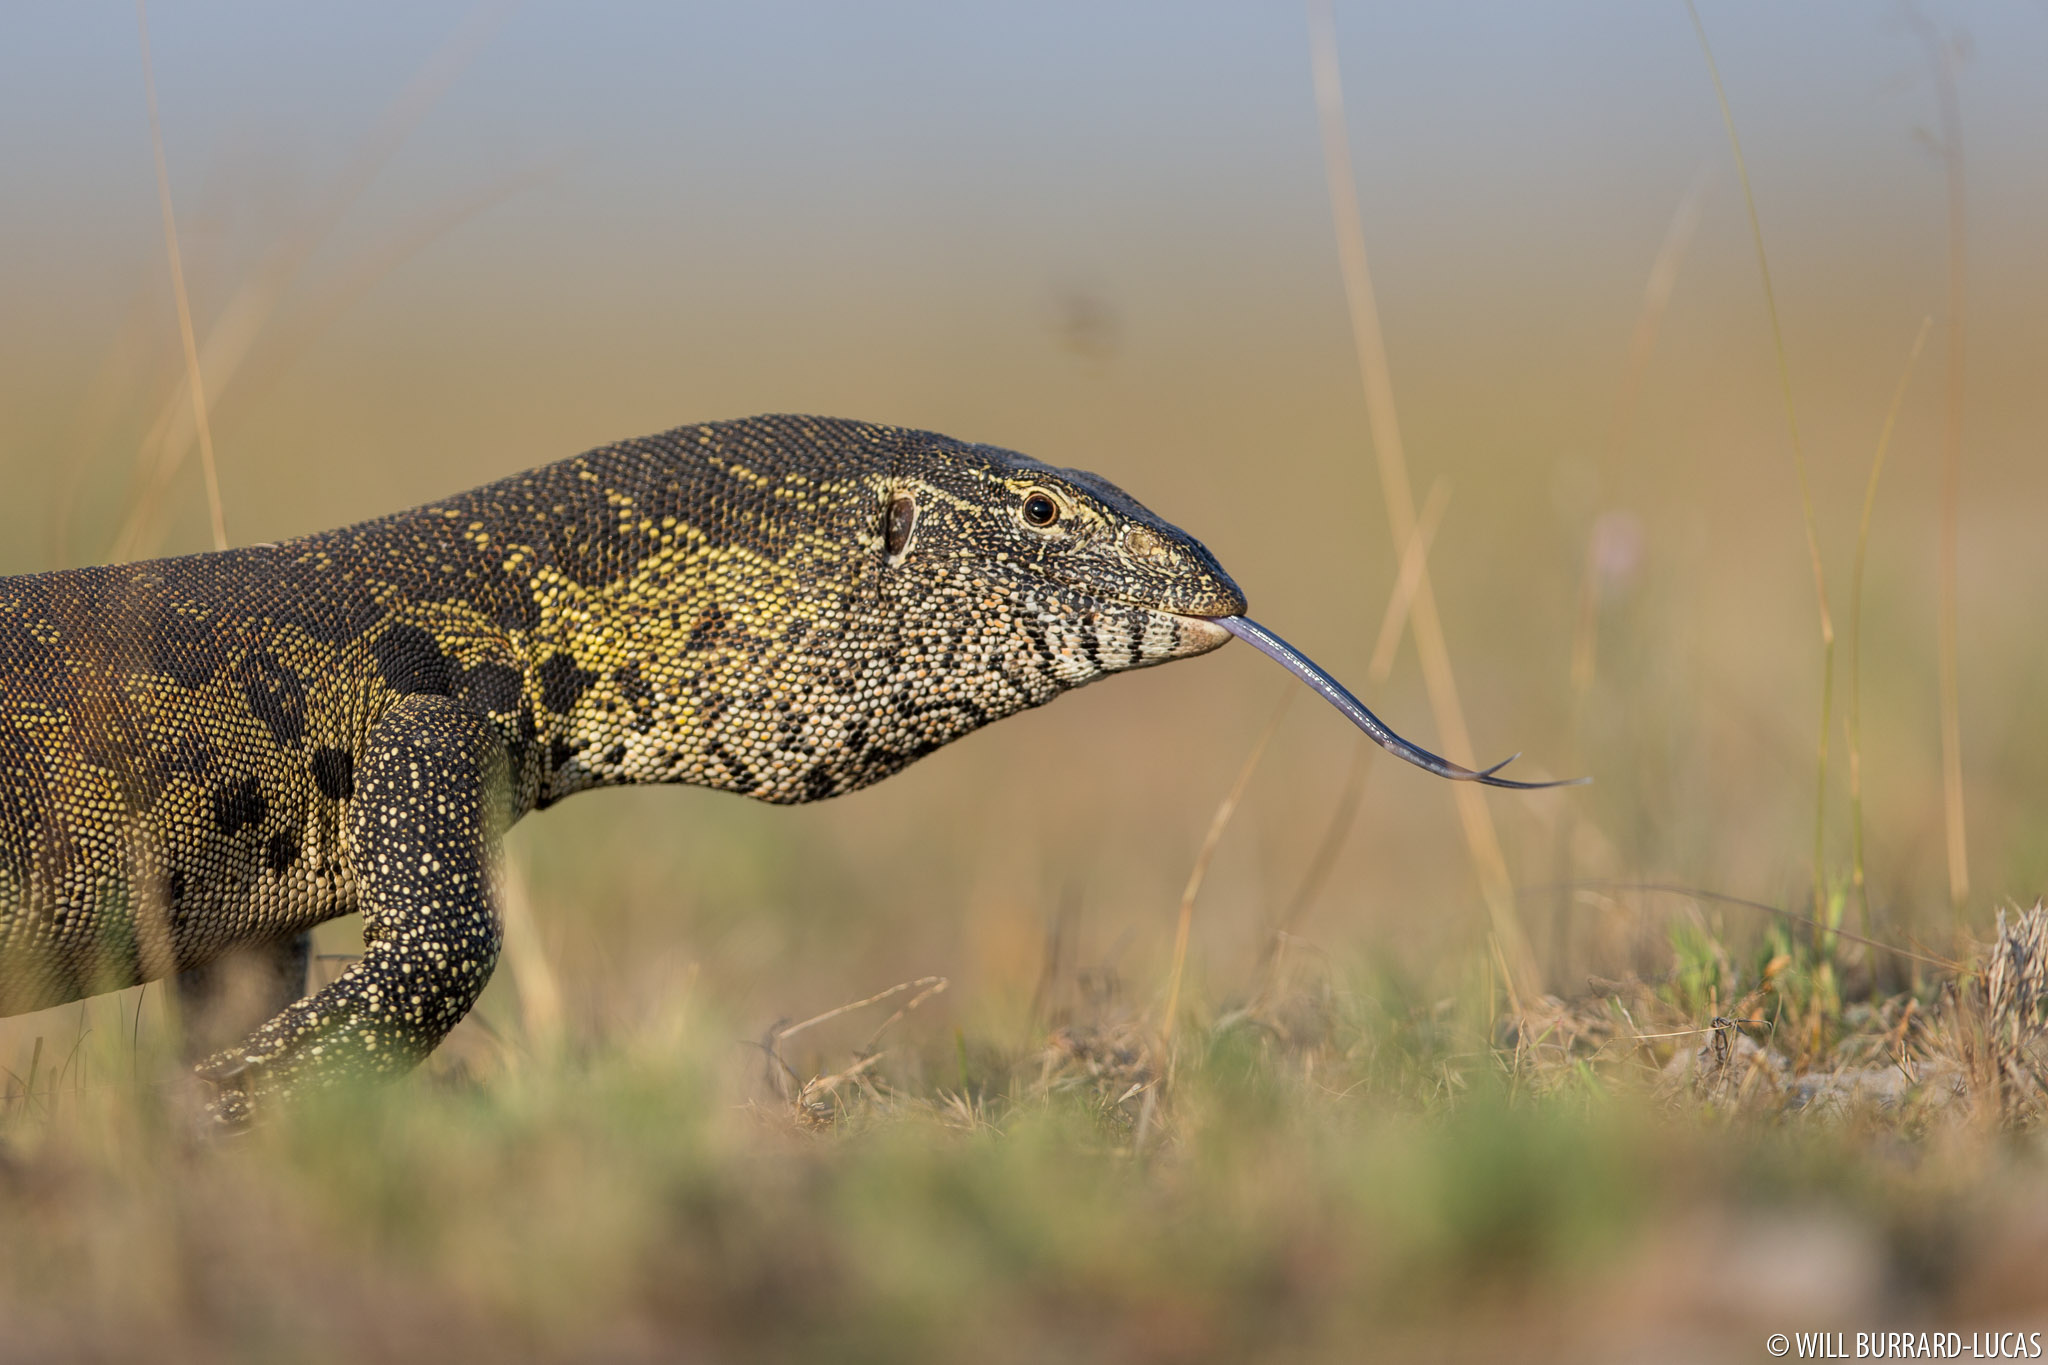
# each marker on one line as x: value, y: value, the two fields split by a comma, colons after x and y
x: 215, y: 753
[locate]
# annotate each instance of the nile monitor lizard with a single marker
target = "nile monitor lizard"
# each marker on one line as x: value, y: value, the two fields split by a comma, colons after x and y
x: 215, y: 753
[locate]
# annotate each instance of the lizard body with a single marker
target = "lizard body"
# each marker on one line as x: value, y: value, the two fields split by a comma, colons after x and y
x: 217, y: 752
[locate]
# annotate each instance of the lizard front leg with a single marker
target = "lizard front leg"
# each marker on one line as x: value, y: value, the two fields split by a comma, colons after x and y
x: 423, y: 831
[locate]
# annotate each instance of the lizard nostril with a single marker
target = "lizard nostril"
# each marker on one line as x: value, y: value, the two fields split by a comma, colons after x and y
x: 1142, y: 543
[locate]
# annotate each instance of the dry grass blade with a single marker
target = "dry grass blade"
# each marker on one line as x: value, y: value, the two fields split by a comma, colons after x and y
x: 925, y: 985
x: 533, y: 977
x: 193, y: 379
x: 232, y: 337
x: 809, y: 1097
x: 1200, y: 871
x: 1434, y: 653
x: 1820, y: 581
x: 1392, y: 625
x: 937, y: 984
x: 1322, y: 860
x: 1657, y: 290
x: 1855, y: 720
x: 323, y: 306
x: 1943, y: 58
x: 1400, y: 602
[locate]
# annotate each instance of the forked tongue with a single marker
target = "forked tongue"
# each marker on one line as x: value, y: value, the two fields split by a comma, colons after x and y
x: 1334, y: 692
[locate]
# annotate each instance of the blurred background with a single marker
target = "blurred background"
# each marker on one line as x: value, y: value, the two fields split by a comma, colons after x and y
x: 429, y: 245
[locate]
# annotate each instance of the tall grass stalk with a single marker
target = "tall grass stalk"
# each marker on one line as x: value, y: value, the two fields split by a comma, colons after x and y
x: 1657, y: 290
x: 1480, y: 837
x: 1401, y: 602
x: 1820, y: 581
x: 1392, y: 624
x: 1219, y: 822
x: 1943, y: 57
x: 194, y: 381
x: 1585, y: 657
x: 526, y: 957
x: 232, y: 338
x: 1884, y: 440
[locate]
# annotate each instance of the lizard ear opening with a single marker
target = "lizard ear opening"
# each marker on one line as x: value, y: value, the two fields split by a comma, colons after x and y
x: 897, y: 523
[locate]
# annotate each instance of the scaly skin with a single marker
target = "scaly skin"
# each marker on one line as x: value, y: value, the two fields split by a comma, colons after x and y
x: 215, y: 753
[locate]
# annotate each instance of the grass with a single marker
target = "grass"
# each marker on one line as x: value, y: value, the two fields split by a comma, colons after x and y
x: 200, y: 423
x: 1344, y: 1161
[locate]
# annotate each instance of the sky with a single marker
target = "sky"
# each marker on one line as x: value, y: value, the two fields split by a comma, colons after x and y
x: 763, y: 143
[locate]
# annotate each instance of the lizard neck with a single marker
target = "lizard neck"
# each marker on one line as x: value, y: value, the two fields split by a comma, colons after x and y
x: 688, y: 602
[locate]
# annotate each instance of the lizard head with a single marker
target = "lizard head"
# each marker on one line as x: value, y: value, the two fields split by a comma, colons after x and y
x: 1060, y: 562
x: 993, y: 582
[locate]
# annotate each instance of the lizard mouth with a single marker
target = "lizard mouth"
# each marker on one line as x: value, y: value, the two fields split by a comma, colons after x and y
x: 1334, y: 692
x: 1204, y: 632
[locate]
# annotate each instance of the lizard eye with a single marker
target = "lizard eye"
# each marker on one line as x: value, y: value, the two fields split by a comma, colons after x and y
x: 896, y: 525
x: 1041, y: 510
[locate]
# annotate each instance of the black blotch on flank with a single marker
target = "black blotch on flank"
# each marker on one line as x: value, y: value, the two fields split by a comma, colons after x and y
x: 516, y: 608
x: 187, y: 659
x: 281, y: 852
x: 334, y: 773
x: 562, y: 682
x: 412, y: 662
x: 178, y: 884
x: 819, y: 784
x: 331, y: 618
x: 492, y: 688
x: 276, y: 696
x: 238, y: 807
x: 188, y: 756
x: 632, y: 686
x: 615, y: 755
